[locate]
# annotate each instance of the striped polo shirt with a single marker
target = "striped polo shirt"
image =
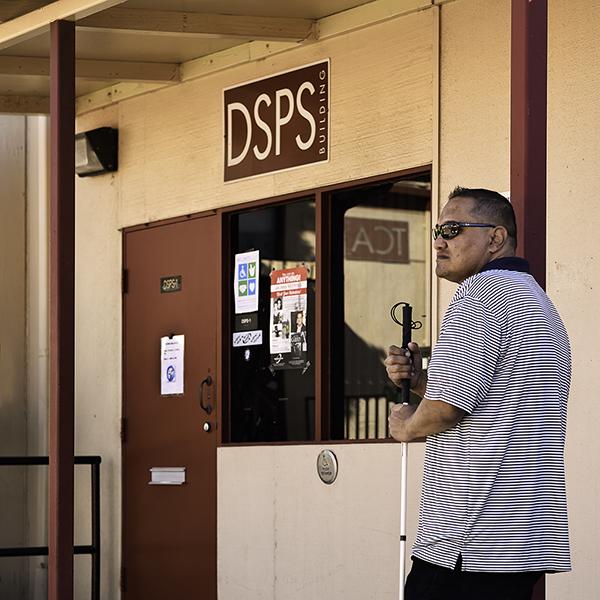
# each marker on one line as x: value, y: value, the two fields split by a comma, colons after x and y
x: 494, y: 485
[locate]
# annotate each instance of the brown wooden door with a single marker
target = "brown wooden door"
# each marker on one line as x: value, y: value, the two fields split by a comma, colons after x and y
x: 169, y: 531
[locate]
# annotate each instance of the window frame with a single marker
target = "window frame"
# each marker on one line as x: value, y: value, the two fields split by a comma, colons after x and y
x: 325, y: 362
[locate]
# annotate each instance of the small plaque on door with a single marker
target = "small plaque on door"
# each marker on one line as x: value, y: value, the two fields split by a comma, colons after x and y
x: 246, y: 322
x: 167, y: 476
x: 169, y: 284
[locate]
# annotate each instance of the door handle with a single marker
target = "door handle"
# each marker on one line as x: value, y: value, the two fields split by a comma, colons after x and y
x: 207, y: 381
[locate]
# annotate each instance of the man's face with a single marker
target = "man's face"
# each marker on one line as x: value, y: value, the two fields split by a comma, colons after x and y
x: 468, y: 252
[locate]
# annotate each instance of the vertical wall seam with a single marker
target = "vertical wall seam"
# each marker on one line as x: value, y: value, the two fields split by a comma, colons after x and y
x: 435, y: 167
x: 25, y: 525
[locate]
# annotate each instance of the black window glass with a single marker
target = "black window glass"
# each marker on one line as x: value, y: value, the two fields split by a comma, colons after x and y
x: 272, y: 384
x: 382, y: 246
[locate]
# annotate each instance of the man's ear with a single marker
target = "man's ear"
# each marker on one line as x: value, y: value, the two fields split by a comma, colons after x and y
x: 499, y: 238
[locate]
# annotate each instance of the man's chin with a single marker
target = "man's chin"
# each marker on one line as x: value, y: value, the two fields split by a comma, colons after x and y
x: 443, y: 273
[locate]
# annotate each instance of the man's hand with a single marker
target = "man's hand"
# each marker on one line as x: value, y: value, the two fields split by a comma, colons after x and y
x: 399, y: 414
x: 409, y: 422
x: 399, y: 366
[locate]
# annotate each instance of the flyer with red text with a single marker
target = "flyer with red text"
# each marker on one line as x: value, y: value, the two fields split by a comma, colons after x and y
x: 288, y: 344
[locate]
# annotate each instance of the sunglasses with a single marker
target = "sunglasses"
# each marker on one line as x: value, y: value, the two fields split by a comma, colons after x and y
x: 450, y: 230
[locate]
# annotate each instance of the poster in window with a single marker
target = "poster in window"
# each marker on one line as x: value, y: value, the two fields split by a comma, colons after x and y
x: 245, y: 282
x: 288, y: 321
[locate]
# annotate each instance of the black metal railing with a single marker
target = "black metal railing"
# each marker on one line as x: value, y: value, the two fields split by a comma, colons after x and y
x: 366, y: 417
x: 94, y: 548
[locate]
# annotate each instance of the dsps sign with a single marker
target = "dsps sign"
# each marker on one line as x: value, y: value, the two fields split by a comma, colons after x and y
x: 277, y: 123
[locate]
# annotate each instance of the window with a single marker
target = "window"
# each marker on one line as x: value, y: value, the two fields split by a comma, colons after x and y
x: 381, y: 246
x: 271, y: 401
x: 375, y: 251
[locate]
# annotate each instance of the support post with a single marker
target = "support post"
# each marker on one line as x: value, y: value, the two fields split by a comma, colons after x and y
x: 62, y: 306
x: 528, y: 107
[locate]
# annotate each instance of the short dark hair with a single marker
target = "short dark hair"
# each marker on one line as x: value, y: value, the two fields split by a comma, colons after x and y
x: 491, y: 205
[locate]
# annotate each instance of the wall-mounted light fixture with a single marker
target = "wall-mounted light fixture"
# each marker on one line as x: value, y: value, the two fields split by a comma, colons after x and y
x: 96, y: 151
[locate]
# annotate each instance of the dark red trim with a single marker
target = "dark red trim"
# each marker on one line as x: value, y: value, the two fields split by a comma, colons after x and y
x: 169, y: 221
x: 529, y: 48
x: 62, y: 308
x: 323, y: 309
x: 528, y: 107
x: 223, y: 329
x: 334, y: 187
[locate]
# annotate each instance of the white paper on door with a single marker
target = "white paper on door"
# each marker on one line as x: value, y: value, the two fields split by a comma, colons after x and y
x: 172, y: 350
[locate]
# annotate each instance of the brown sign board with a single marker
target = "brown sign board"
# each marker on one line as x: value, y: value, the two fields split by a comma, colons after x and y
x: 376, y: 240
x: 277, y: 123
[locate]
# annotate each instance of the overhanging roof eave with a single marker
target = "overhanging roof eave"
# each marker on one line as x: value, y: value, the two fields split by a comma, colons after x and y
x: 38, y: 21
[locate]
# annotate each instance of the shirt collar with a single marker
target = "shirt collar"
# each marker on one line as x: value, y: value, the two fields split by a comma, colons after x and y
x: 507, y: 263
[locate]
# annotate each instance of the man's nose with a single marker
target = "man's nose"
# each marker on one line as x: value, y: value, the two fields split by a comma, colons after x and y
x: 440, y: 243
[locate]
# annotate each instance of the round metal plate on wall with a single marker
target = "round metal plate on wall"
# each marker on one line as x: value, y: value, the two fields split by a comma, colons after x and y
x: 327, y: 466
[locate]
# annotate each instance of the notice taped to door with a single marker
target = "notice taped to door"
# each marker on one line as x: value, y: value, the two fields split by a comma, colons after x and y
x: 288, y: 322
x: 171, y: 364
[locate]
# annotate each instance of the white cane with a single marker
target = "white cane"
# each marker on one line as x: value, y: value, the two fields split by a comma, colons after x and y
x: 403, y: 499
x: 407, y: 326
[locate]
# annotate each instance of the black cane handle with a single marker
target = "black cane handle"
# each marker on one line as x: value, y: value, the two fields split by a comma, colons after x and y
x: 407, y: 325
x: 406, y: 339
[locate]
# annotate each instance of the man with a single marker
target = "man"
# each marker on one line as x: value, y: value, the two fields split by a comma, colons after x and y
x: 493, y: 513
x: 300, y: 326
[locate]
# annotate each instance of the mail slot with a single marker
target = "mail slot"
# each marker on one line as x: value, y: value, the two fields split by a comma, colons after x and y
x: 167, y: 476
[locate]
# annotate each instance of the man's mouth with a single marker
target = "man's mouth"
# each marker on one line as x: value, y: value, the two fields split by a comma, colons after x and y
x: 441, y: 257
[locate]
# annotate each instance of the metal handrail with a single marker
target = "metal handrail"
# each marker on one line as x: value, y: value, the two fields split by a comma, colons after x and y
x: 94, y: 548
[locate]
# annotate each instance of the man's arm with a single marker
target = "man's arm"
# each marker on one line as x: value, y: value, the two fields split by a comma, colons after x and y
x: 408, y: 422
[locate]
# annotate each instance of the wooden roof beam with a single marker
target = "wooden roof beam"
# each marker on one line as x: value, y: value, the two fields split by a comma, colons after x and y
x: 137, y: 20
x: 97, y: 70
x: 25, y: 105
x: 38, y: 21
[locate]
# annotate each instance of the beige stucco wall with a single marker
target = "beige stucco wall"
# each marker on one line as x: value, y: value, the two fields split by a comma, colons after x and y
x: 474, y: 100
x: 282, y: 533
x: 573, y: 266
x: 98, y: 363
x: 13, y: 435
x: 37, y: 347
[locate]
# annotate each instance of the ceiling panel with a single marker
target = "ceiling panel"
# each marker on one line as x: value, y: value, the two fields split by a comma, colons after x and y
x: 24, y: 86
x: 11, y: 85
x: 10, y: 9
x: 307, y: 9
x: 113, y: 45
x: 128, y: 46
